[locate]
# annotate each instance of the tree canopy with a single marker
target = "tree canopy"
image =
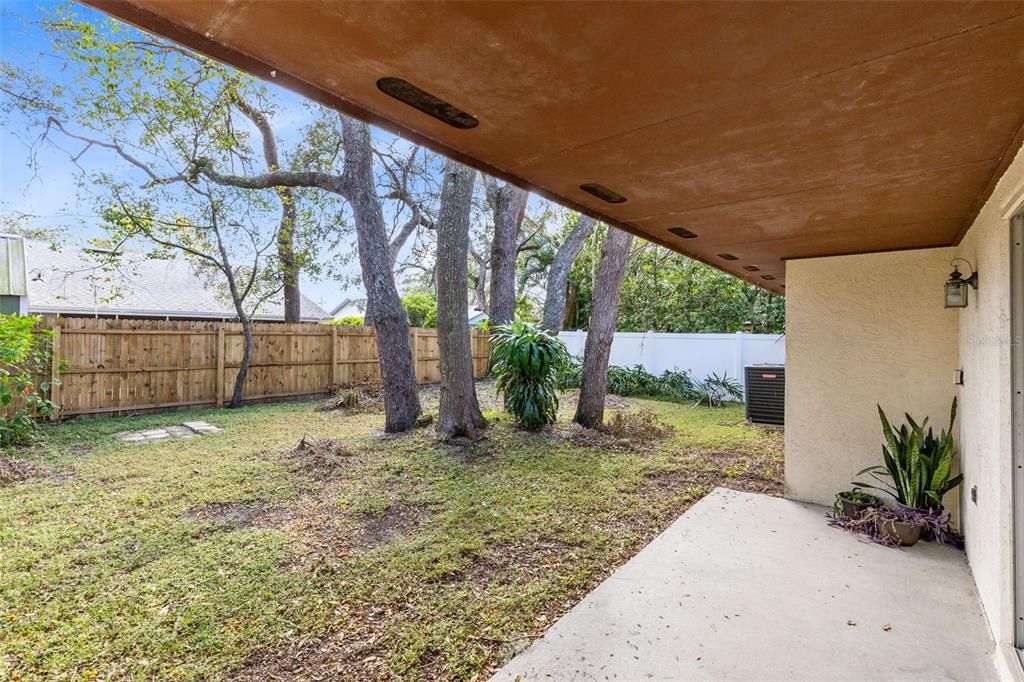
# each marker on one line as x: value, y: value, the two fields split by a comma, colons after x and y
x: 664, y: 291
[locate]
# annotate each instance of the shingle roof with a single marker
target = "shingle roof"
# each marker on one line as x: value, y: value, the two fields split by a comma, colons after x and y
x: 70, y: 281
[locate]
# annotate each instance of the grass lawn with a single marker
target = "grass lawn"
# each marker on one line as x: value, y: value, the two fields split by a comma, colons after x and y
x: 234, y: 556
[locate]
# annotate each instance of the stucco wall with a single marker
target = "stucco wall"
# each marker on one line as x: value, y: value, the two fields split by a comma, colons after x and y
x: 862, y: 330
x: 985, y: 430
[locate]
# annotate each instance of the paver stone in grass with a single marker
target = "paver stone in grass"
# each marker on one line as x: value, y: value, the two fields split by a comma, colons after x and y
x: 202, y: 427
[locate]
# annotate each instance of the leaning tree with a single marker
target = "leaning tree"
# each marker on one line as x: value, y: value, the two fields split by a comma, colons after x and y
x: 172, y: 118
x: 558, y: 272
x: 131, y: 113
x: 211, y: 230
x: 356, y: 184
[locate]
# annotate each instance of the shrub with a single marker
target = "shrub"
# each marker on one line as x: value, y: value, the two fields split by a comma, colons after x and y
x: 716, y: 390
x: 421, y: 308
x: 570, y: 374
x: 24, y: 360
x: 635, y: 381
x: 675, y: 386
x: 527, y: 363
x: 349, y: 321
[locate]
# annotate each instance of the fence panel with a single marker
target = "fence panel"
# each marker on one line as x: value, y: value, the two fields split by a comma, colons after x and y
x: 115, y: 366
x: 699, y: 354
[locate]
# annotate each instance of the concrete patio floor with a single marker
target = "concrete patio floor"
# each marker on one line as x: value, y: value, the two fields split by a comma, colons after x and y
x: 745, y: 587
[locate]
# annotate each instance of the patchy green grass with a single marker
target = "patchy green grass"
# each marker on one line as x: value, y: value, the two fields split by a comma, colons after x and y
x: 225, y: 556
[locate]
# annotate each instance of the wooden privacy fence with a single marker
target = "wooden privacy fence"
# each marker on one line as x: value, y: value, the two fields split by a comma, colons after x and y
x: 132, y: 365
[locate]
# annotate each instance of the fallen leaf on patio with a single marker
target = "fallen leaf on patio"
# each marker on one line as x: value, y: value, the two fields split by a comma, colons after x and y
x: 851, y: 622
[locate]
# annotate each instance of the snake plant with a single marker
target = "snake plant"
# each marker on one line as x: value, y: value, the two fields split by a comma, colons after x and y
x: 917, y: 465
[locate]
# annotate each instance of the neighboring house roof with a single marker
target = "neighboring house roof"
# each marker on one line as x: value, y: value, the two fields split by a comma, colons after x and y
x: 13, y: 277
x: 477, y: 316
x: 70, y: 281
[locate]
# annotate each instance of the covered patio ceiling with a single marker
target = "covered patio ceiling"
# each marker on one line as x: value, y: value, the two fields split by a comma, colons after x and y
x: 768, y: 131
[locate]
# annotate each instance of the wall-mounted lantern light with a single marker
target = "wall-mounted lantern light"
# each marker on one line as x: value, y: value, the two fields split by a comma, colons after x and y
x: 956, y: 285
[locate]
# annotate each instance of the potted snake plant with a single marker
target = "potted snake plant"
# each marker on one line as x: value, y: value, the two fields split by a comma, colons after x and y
x: 917, y: 464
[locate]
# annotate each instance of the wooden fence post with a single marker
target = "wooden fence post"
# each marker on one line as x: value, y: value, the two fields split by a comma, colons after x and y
x: 220, y: 365
x: 335, y: 368
x: 55, y: 396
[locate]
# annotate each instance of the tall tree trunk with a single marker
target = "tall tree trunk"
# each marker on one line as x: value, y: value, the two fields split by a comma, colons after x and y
x: 401, y: 400
x: 604, y: 310
x: 458, y: 412
x: 286, y: 229
x: 558, y: 273
x: 286, y: 255
x: 508, y: 203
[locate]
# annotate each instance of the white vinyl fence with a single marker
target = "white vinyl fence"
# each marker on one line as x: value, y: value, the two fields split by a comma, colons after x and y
x: 699, y: 354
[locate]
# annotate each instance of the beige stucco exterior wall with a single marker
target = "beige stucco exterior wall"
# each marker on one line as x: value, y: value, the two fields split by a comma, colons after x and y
x: 985, y: 422
x: 862, y: 330
x: 871, y: 328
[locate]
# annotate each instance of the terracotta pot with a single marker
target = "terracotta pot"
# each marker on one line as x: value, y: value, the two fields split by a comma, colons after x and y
x: 903, y: 533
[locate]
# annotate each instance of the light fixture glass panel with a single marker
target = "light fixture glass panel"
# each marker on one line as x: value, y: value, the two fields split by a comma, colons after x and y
x: 956, y: 294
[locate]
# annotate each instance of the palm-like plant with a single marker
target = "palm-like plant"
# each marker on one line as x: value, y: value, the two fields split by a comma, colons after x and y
x: 716, y: 390
x: 917, y: 463
x: 527, y: 362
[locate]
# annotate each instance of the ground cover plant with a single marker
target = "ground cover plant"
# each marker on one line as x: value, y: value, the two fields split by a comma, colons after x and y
x: 305, y: 544
x: 677, y: 386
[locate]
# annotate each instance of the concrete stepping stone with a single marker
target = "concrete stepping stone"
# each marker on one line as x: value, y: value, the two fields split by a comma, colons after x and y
x: 185, y: 430
x: 202, y: 427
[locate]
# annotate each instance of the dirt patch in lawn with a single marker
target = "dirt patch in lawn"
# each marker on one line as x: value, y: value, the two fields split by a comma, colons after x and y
x: 400, y: 520
x: 14, y: 470
x: 708, y: 469
x: 328, y: 533
x: 319, y: 458
x: 240, y: 514
x: 621, y: 432
x: 520, y: 562
x: 352, y: 653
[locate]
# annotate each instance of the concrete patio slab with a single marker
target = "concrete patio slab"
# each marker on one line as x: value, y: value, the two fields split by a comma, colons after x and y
x: 746, y: 587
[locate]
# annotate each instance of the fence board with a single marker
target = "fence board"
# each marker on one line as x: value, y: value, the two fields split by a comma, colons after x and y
x: 113, y: 366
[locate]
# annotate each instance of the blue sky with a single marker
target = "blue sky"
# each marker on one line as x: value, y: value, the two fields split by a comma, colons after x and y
x: 50, y: 193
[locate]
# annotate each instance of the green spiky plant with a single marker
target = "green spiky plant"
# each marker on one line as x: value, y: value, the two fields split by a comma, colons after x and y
x: 527, y: 363
x: 917, y: 463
